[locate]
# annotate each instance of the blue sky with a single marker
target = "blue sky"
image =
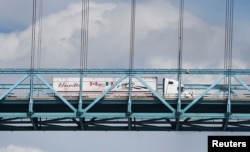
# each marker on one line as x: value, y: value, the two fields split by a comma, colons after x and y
x: 155, y: 47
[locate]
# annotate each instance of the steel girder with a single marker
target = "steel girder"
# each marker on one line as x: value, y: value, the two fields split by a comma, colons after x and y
x: 121, y: 124
x: 227, y: 115
x: 125, y: 71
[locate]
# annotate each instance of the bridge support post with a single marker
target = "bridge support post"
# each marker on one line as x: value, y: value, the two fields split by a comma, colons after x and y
x: 34, y: 122
x: 82, y: 124
x: 129, y: 108
x: 31, y: 94
x: 177, y: 120
x: 129, y: 123
x: 225, y: 121
x: 79, y: 111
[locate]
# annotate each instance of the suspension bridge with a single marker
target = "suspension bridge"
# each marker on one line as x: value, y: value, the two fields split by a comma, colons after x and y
x: 31, y: 101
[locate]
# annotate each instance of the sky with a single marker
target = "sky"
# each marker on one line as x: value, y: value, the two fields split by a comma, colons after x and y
x: 156, y: 36
x: 156, y: 45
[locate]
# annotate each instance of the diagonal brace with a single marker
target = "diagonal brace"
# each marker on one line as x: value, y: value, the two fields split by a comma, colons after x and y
x: 14, y: 86
x: 155, y: 94
x: 57, y: 94
x: 103, y: 94
x: 202, y: 94
x: 241, y: 82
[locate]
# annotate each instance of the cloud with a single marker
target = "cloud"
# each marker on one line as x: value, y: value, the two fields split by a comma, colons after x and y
x: 156, y: 39
x: 15, y: 148
x: 61, y: 38
x: 14, y: 45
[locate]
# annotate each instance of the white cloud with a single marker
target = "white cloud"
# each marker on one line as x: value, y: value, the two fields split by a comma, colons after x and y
x: 15, y: 148
x: 14, y: 45
x: 156, y: 38
x: 61, y: 37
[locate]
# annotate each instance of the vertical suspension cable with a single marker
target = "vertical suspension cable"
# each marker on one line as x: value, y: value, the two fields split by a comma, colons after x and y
x: 180, y: 45
x: 33, y: 38
x: 81, y: 60
x: 228, y: 40
x: 84, y: 48
x: 180, y: 42
x: 33, y: 46
x: 39, y: 43
x: 84, y: 34
x: 39, y: 51
x: 131, y: 55
x: 231, y: 35
x: 228, y: 54
x: 180, y: 50
x: 181, y: 15
x: 132, y: 35
x: 230, y: 45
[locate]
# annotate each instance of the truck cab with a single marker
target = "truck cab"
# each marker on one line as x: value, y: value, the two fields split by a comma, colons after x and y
x: 170, y: 89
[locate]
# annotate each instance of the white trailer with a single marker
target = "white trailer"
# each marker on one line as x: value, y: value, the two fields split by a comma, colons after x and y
x: 96, y: 85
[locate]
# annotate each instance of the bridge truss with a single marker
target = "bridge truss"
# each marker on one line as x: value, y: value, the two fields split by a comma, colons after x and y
x: 33, y: 104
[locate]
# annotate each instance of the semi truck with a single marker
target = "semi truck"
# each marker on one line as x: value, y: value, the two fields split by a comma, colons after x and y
x: 70, y: 86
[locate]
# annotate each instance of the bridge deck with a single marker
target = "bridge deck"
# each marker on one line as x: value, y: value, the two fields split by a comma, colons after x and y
x: 207, y: 110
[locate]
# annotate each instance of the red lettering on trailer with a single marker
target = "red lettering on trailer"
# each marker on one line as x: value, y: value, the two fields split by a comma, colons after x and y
x: 65, y: 85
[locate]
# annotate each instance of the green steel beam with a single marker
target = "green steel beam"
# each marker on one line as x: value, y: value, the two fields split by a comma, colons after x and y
x: 129, y: 106
x: 235, y: 116
x: 241, y: 82
x: 126, y: 71
x: 80, y: 95
x: 159, y: 86
x: 31, y: 94
x: 227, y: 122
x: 13, y: 87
